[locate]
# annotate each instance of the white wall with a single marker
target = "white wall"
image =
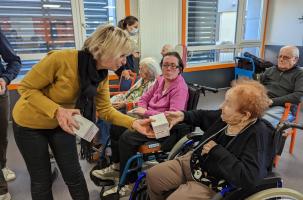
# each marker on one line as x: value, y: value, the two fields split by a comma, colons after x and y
x: 283, y: 26
x: 159, y: 24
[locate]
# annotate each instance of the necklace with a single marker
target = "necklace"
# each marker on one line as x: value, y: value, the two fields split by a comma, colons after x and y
x: 241, y: 131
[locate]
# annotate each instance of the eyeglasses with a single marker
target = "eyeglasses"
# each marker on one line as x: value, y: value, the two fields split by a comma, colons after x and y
x: 171, y: 65
x: 283, y: 57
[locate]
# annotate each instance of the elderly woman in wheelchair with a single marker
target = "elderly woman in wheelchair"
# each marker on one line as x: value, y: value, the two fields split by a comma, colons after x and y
x: 169, y: 93
x: 236, y: 148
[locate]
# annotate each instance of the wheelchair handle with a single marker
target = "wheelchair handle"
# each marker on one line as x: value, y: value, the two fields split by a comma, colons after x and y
x: 286, y: 125
x: 203, y: 88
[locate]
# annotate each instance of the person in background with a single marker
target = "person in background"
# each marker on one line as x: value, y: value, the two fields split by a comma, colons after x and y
x: 284, y: 83
x: 149, y: 70
x: 7, y: 74
x: 236, y: 150
x: 169, y: 93
x: 61, y: 85
x: 130, y: 25
x: 166, y: 48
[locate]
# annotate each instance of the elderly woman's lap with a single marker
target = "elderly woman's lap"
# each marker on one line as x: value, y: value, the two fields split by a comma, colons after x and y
x: 173, y: 180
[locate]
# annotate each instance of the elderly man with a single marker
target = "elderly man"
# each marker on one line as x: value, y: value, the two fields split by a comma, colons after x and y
x: 284, y: 83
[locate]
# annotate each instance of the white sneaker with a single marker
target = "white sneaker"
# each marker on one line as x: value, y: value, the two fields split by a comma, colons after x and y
x: 108, y: 173
x: 124, y: 191
x: 6, y: 196
x: 8, y: 174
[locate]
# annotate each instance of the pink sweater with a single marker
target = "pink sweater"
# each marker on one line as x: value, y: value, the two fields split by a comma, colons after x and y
x: 174, y: 99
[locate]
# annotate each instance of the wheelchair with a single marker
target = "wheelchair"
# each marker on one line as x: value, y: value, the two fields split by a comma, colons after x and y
x: 152, y: 150
x: 269, y: 188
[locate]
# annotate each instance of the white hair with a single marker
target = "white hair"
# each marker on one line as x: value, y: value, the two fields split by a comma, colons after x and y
x: 153, y: 67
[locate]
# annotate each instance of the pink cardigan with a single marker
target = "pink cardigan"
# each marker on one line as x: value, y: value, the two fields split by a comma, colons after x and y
x: 174, y: 99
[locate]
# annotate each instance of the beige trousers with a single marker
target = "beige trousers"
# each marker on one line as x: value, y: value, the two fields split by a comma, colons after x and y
x: 172, y: 180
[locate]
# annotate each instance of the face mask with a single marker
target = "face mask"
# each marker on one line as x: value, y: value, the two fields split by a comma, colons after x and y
x: 134, y: 32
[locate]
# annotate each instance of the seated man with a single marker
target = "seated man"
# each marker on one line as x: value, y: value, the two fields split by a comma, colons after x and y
x: 284, y: 83
x: 236, y: 148
x: 169, y: 93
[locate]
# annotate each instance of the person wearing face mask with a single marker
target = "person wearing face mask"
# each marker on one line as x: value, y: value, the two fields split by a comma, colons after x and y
x: 62, y: 84
x: 284, y: 83
x: 130, y: 25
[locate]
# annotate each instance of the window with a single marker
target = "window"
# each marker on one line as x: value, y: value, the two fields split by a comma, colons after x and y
x: 34, y: 27
x: 217, y: 30
x: 98, y: 12
x: 37, y: 26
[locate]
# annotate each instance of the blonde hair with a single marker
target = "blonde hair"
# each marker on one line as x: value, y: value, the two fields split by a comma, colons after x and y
x: 108, y: 42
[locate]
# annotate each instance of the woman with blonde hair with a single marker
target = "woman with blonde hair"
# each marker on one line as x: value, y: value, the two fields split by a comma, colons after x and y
x: 63, y: 84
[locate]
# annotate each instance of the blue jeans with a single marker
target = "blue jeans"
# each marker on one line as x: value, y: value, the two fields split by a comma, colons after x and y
x: 274, y: 114
x: 33, y: 145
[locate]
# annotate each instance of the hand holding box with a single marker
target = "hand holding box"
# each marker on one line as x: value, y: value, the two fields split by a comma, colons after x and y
x: 87, y: 129
x: 160, y: 125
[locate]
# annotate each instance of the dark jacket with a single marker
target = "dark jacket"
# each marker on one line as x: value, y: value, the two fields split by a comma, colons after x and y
x: 13, y: 65
x: 247, y: 160
x: 285, y: 86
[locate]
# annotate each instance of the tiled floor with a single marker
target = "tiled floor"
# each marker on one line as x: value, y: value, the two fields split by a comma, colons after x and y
x: 290, y: 167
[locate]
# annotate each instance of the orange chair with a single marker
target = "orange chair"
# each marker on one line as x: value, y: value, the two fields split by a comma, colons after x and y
x: 124, y: 84
x: 292, y: 132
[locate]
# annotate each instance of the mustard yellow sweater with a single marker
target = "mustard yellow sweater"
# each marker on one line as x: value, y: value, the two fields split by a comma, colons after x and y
x: 54, y: 82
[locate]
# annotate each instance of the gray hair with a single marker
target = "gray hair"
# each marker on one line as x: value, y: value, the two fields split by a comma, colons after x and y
x: 294, y: 50
x: 153, y: 67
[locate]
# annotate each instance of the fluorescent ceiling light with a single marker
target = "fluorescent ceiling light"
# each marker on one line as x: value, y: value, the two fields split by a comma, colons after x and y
x: 51, y: 6
x: 109, y: 7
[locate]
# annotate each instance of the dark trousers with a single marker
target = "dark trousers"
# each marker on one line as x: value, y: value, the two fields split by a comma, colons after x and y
x: 3, y: 184
x: 33, y: 145
x: 115, y: 133
x: 128, y: 146
x: 3, y: 139
x: 3, y: 128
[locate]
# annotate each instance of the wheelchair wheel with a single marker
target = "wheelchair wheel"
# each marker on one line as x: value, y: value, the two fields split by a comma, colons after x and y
x: 277, y: 193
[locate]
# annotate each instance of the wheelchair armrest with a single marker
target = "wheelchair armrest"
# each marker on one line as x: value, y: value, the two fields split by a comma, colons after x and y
x: 195, y: 136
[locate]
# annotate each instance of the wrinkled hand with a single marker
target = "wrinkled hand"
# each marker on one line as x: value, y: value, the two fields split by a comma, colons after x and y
x: 2, y: 86
x: 143, y: 126
x: 126, y: 74
x: 207, y: 147
x: 139, y: 111
x: 119, y: 105
x: 66, y: 120
x: 174, y: 117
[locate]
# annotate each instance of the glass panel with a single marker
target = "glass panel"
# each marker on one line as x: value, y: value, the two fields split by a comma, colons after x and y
x: 99, y: 12
x: 253, y: 19
x: 211, y: 22
x: 37, y: 26
x: 253, y: 50
x: 208, y: 56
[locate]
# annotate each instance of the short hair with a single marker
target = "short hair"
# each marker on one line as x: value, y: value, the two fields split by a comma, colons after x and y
x: 108, y: 41
x: 294, y: 50
x: 252, y: 97
x: 153, y: 67
x: 175, y: 54
x: 127, y: 21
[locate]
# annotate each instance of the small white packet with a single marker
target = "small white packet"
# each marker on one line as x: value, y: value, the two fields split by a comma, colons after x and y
x: 160, y: 125
x: 87, y: 129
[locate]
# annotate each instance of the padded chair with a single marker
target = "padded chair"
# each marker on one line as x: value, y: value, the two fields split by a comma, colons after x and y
x: 124, y: 84
x: 245, y: 66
